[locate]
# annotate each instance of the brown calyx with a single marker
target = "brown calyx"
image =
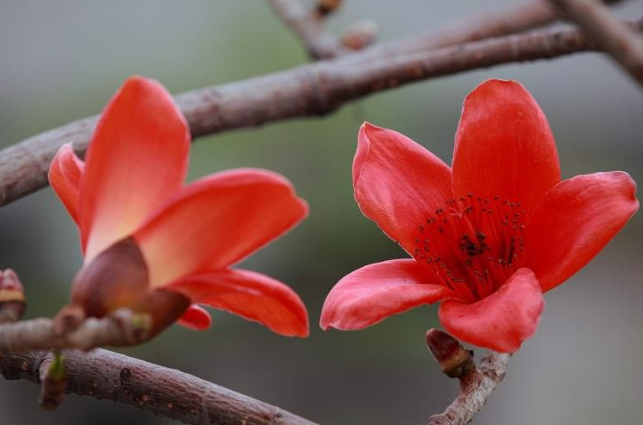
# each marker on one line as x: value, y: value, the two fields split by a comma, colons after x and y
x: 119, y: 278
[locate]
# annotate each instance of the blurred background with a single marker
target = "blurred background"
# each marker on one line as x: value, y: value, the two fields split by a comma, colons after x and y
x: 63, y: 59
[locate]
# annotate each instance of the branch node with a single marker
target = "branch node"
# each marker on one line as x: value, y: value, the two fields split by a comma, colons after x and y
x: 53, y: 381
x: 325, y: 7
x: 360, y: 34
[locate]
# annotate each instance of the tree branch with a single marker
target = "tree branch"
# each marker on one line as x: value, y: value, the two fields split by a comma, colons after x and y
x: 165, y: 392
x: 607, y: 33
x: 309, y: 90
x: 476, y: 387
x: 476, y: 384
x: 308, y: 26
x: 120, y: 329
x: 510, y: 20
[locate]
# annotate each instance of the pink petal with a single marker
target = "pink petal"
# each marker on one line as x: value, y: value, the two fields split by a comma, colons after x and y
x: 371, y: 294
x: 217, y: 221
x: 250, y: 295
x: 64, y: 176
x: 136, y: 160
x: 504, y: 147
x: 501, y: 321
x: 398, y: 183
x: 575, y: 221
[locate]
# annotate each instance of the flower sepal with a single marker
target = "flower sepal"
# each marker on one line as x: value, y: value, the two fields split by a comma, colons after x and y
x: 119, y: 278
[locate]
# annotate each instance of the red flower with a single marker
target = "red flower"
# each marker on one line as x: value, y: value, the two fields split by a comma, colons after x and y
x: 155, y: 246
x: 488, y: 236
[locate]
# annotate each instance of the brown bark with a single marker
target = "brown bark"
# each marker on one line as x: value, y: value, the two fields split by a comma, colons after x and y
x: 608, y: 33
x: 308, y: 25
x: 120, y: 329
x: 476, y: 387
x: 165, y: 392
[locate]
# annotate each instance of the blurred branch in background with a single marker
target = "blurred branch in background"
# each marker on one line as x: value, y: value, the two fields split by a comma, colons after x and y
x: 607, y: 33
x: 166, y: 392
x: 120, y: 329
x: 308, y: 25
x: 308, y: 90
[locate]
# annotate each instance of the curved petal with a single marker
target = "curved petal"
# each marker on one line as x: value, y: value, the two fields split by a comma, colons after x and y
x: 250, y: 295
x: 398, y: 184
x: 64, y: 177
x: 371, y: 294
x: 195, y: 318
x: 501, y: 321
x: 575, y: 220
x: 504, y: 147
x: 217, y: 221
x: 135, y: 161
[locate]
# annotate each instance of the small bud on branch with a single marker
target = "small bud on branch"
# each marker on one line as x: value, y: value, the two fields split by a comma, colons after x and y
x: 12, y: 297
x: 452, y: 357
x: 360, y: 34
x: 324, y: 7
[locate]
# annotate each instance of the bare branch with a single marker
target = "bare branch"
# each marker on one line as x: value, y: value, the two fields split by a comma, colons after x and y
x: 308, y: 26
x: 120, y: 329
x: 165, y: 392
x: 607, y: 33
x: 309, y: 90
x: 476, y: 387
x: 510, y: 20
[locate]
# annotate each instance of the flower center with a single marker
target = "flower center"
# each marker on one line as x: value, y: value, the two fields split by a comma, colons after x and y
x: 473, y: 244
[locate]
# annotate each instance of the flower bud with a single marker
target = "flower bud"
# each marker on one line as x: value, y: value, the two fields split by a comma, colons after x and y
x: 12, y: 297
x: 324, y: 7
x: 360, y: 34
x: 452, y: 357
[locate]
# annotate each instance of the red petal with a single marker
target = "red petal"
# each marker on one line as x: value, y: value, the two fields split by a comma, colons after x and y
x: 251, y: 295
x: 64, y: 177
x: 135, y: 161
x: 504, y: 147
x: 217, y: 221
x: 501, y: 321
x: 195, y: 318
x: 371, y: 294
x: 575, y: 220
x: 398, y: 183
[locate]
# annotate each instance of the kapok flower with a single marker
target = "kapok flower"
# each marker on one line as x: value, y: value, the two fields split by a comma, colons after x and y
x: 157, y: 247
x: 488, y: 236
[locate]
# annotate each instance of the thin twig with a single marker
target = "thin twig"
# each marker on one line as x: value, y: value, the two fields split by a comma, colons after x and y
x: 165, y: 392
x: 120, y: 329
x: 607, y: 33
x: 309, y: 90
x: 308, y: 26
x: 476, y: 387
